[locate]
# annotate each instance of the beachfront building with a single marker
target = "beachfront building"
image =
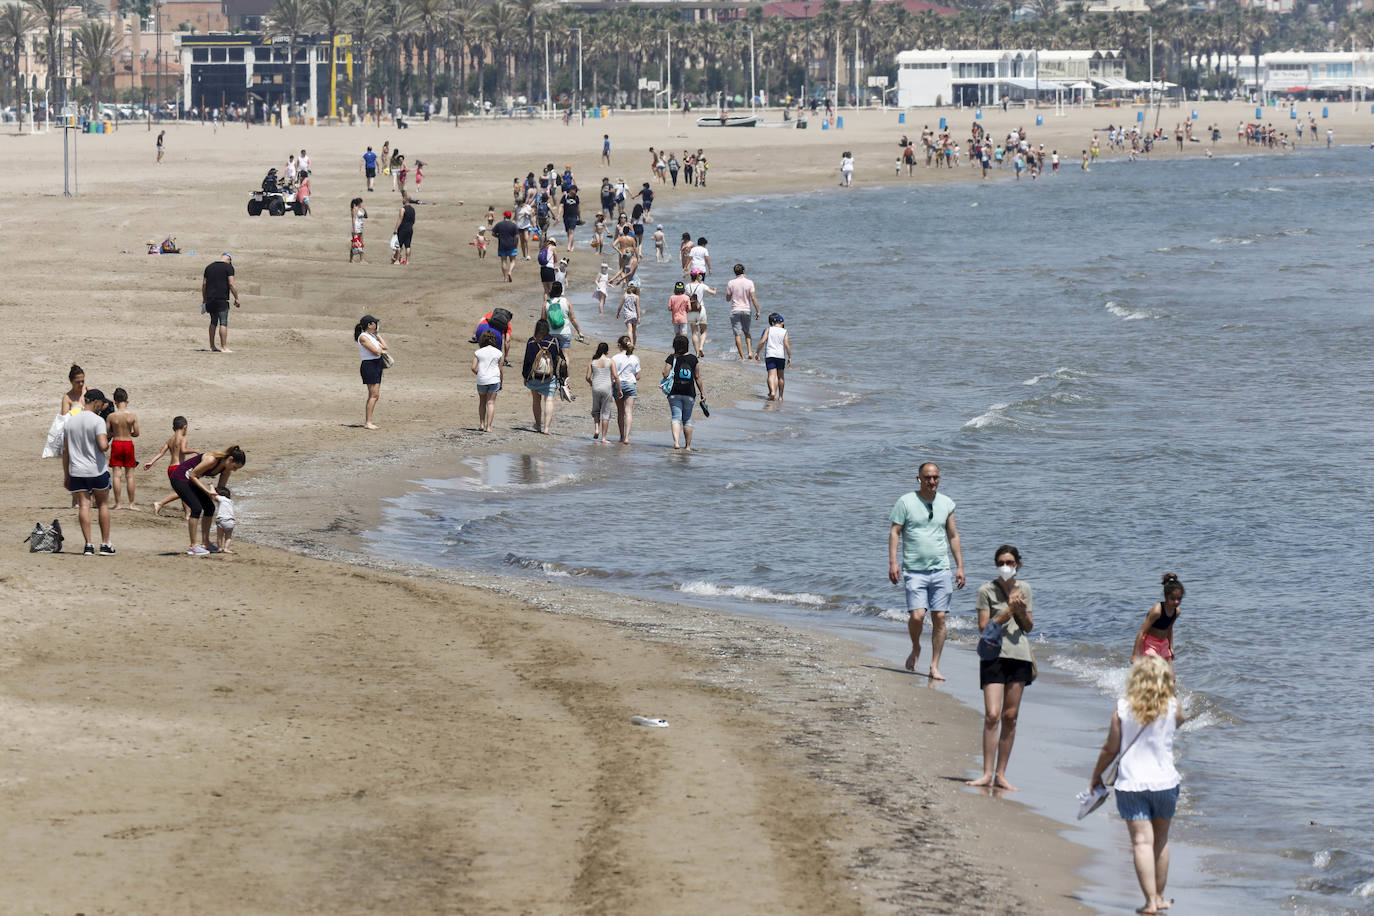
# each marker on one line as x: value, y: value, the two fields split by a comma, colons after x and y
x: 235, y: 69
x: 985, y: 77
x: 1305, y: 73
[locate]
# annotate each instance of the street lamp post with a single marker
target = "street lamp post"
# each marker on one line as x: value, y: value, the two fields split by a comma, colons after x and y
x: 752, y: 94
x: 547, y: 100
x: 668, y: 36
x: 157, y: 12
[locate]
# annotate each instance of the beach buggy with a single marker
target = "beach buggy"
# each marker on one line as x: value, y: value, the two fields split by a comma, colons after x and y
x: 274, y: 197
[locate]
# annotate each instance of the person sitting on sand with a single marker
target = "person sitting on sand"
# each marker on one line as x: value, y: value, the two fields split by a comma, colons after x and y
x: 1008, y: 601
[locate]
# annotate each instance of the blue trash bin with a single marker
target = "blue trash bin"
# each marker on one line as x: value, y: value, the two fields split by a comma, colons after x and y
x: 839, y: 122
x: 1292, y: 113
x: 1140, y: 117
x: 978, y: 115
x: 1259, y: 112
x: 943, y: 124
x: 1326, y: 112
x: 825, y: 123
x: 901, y: 117
x: 1039, y: 121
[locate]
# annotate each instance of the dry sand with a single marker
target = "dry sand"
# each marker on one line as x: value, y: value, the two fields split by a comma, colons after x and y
x: 301, y: 730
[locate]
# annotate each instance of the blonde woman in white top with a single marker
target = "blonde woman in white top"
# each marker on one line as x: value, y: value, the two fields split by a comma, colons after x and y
x: 1147, y: 783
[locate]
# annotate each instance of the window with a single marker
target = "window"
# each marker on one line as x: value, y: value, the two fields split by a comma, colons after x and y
x: 236, y: 55
x: 218, y: 55
x: 200, y: 55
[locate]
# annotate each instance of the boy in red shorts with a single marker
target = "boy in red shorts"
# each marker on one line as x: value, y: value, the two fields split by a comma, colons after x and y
x: 123, y: 427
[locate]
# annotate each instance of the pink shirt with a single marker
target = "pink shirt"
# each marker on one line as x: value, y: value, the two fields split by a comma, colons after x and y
x: 677, y: 308
x: 738, y: 291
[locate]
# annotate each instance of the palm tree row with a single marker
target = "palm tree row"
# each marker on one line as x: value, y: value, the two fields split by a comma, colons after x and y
x: 468, y: 50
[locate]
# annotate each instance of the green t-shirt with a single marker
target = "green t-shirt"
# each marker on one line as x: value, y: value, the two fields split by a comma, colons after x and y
x: 925, y: 544
x: 1015, y: 642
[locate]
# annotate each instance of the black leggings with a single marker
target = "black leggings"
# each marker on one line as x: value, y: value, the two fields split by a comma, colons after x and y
x: 194, y: 497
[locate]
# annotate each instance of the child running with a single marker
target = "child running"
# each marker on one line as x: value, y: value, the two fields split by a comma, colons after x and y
x: 123, y: 429
x: 176, y: 449
x: 603, y: 287
x: 480, y: 242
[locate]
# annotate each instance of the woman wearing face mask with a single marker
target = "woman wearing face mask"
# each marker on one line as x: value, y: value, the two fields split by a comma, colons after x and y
x: 1008, y: 601
x: 1156, y: 636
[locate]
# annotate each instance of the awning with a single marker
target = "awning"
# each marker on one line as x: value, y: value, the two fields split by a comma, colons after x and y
x: 1020, y: 82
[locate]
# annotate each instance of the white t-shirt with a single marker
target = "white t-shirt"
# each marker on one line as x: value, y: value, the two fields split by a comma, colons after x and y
x: 738, y: 291
x: 85, y: 457
x: 304, y: 162
x: 773, y: 338
x: 847, y: 164
x: 698, y: 289
x: 488, y: 365
x: 699, y: 254
x: 224, y: 512
x: 1148, y: 765
x: 626, y: 367
x: 364, y: 352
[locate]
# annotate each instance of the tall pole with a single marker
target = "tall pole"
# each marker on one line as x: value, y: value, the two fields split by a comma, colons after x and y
x: 856, y: 66
x: 547, y: 100
x: 1152, y: 64
x: 752, y: 93
x: 836, y: 86
x: 579, y: 68
x: 157, y: 12
x: 669, y: 36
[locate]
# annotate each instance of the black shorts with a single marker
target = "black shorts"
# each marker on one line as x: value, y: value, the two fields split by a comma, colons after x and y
x: 547, y: 274
x: 569, y: 223
x: 218, y: 310
x: 371, y: 171
x: 371, y: 371
x: 1004, y: 671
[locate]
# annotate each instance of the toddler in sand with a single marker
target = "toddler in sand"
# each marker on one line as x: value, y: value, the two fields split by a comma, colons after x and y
x: 224, y: 520
x: 480, y: 242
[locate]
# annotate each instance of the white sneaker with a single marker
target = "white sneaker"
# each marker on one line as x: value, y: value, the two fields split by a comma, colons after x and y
x: 197, y: 551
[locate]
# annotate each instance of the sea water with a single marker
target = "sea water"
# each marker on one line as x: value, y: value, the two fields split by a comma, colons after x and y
x: 1151, y: 367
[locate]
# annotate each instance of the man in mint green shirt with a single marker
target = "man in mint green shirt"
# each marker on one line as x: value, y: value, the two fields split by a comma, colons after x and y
x: 923, y: 526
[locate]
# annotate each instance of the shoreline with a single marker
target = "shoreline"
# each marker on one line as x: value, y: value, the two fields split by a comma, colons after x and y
x: 269, y: 688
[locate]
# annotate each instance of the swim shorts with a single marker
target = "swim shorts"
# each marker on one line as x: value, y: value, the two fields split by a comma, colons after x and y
x: 775, y: 362
x: 508, y: 252
x: 740, y: 322
x: 1150, y: 645
x: 122, y: 454
x: 930, y: 589
x: 218, y: 312
x: 89, y: 484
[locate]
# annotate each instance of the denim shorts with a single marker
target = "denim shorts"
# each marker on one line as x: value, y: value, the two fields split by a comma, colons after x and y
x: 628, y: 391
x: 489, y: 389
x: 681, y: 406
x: 1147, y: 806
x: 930, y: 589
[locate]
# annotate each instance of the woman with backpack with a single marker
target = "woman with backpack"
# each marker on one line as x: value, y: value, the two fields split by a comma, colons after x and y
x: 544, y: 368
x: 558, y: 312
x: 681, y: 367
x: 548, y: 263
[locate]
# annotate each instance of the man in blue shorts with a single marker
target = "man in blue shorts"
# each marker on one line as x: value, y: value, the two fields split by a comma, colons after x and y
x: 923, y: 523
x: 507, y: 244
x: 370, y: 167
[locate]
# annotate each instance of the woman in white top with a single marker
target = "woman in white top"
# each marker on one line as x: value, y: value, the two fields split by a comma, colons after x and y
x: 486, y: 365
x: 777, y: 353
x: 356, y: 214
x: 370, y: 347
x: 623, y: 382
x: 1147, y: 783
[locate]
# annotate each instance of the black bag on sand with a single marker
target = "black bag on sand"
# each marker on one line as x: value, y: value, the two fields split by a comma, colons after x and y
x: 45, y: 540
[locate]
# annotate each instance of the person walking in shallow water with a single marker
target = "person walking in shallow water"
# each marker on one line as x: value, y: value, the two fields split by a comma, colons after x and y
x: 923, y: 527
x: 1156, y: 636
x: 1147, y: 783
x: 1007, y: 601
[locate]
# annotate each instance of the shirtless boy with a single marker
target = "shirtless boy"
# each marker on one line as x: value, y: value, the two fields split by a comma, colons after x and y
x: 176, y: 449
x: 123, y: 430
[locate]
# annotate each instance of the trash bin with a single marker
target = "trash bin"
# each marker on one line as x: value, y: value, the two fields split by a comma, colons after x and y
x: 901, y: 117
x: 943, y: 124
x: 825, y: 123
x: 1039, y: 120
x: 1326, y: 112
x: 839, y: 122
x: 978, y: 114
x: 1259, y: 112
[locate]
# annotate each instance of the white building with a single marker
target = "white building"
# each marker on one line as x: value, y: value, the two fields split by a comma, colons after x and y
x: 1295, y: 72
x: 985, y: 77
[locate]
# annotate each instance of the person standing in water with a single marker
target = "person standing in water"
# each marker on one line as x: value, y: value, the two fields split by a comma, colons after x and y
x: 1156, y: 636
x: 923, y: 527
x: 1008, y: 601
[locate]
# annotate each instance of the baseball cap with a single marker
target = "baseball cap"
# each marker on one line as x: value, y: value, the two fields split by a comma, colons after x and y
x: 506, y: 214
x: 226, y: 254
x: 679, y: 286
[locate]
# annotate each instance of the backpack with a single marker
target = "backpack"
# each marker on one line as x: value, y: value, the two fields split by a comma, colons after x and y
x: 543, y: 208
x: 45, y: 540
x: 555, y: 313
x: 542, y: 369
x: 546, y: 258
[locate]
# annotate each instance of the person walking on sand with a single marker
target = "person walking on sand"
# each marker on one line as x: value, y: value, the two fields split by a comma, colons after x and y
x: 740, y: 292
x: 1147, y: 783
x: 776, y: 347
x: 1006, y: 601
x: 123, y: 430
x: 923, y: 526
x: 216, y: 286
x: 1156, y: 636
x: 356, y: 214
x: 404, y: 231
x: 605, y: 149
x: 85, y: 473
x: 370, y: 168
x: 161, y: 145
x: 697, y: 291
x: 507, y: 235
x: 486, y: 365
x: 371, y: 345
x: 846, y: 170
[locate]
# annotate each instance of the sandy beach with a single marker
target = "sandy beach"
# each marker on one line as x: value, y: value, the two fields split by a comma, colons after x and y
x: 297, y: 728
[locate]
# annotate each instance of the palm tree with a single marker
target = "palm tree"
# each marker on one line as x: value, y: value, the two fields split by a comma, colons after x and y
x: 48, y: 13
x: 97, y: 42
x: 461, y: 18
x: 429, y: 17
x: 503, y: 20
x: 1259, y: 25
x: 332, y: 14
x: 365, y: 26
x: 398, y: 22
x: 529, y: 11
x: 292, y: 18
x: 15, y: 22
